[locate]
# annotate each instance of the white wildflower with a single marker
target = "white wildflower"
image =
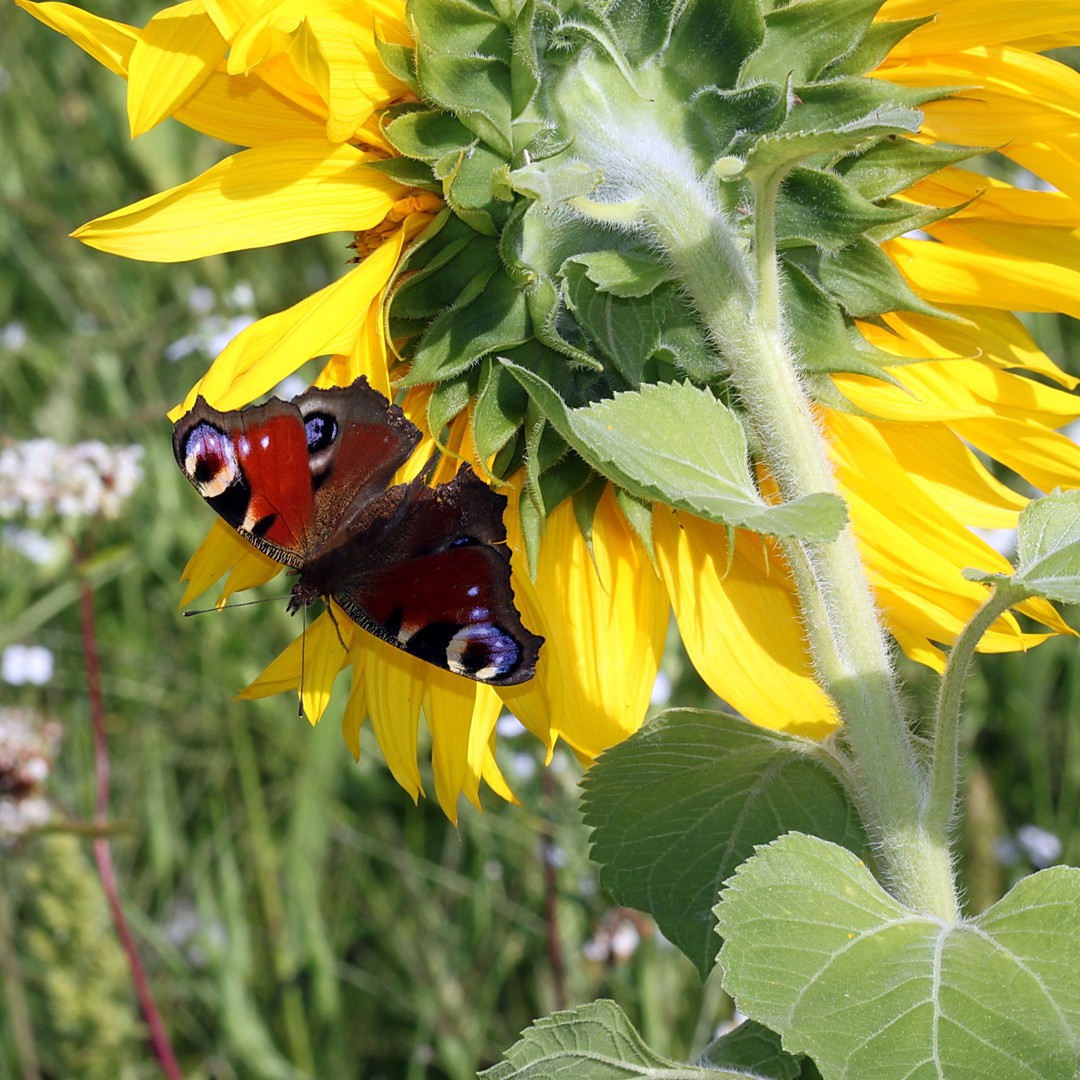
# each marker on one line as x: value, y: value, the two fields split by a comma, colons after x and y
x: 41, y: 477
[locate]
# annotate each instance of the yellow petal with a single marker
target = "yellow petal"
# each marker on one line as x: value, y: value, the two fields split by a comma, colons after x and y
x: 607, y: 619
x: 1020, y: 101
x: 394, y: 688
x: 1044, y: 458
x: 331, y: 47
x: 310, y: 662
x: 449, y: 702
x: 356, y: 707
x: 224, y: 550
x: 481, y: 746
x: 244, y: 111
x: 1003, y: 273
x: 175, y: 54
x: 326, y: 654
x: 367, y: 358
x: 496, y: 781
x: 326, y: 322
x: 961, y: 25
x: 997, y: 338
x: 267, y: 195
x: 739, y: 623
x: 994, y: 201
x: 109, y: 43
x: 949, y: 474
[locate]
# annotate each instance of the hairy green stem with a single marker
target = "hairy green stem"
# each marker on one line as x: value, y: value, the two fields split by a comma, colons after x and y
x: 846, y: 640
x: 945, y: 761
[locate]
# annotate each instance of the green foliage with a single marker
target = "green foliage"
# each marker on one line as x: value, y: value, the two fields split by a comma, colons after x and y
x: 752, y: 1046
x: 1048, y: 548
x: 870, y: 987
x: 297, y: 916
x: 1048, y: 551
x: 678, y: 806
x: 77, y: 974
x: 524, y: 124
x: 594, y: 1042
x: 680, y: 446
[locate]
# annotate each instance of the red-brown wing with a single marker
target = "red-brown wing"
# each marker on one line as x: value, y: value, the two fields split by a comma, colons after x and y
x: 430, y: 573
x: 286, y: 474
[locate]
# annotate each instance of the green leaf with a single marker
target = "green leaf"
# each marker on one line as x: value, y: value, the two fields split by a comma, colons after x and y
x: 551, y: 186
x: 626, y: 331
x: 1048, y: 547
x: 807, y: 135
x: 820, y: 208
x: 448, y: 398
x: 463, y: 64
x: 866, y: 281
x: 399, y: 60
x: 893, y: 165
x: 804, y: 38
x: 407, y: 171
x: 427, y: 135
x: 592, y: 1042
x: 624, y: 273
x: 825, y: 340
x: 679, y: 445
x: 877, y: 42
x: 500, y: 408
x: 752, y: 1046
x: 493, y: 320
x: 442, y: 281
x: 817, y: 950
x: 677, y: 806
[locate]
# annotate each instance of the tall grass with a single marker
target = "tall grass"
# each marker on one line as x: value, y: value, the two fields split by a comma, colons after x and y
x: 299, y: 917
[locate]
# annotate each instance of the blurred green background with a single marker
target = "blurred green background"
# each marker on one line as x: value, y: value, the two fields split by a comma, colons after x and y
x: 298, y: 916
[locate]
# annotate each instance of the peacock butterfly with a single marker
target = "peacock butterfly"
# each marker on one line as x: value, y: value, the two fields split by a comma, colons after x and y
x: 308, y: 482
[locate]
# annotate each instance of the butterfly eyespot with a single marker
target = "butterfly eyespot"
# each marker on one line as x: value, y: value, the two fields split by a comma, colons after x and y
x: 320, y: 429
x: 210, y: 460
x: 482, y: 651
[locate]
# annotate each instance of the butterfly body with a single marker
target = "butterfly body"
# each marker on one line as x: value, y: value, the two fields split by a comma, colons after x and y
x: 308, y: 482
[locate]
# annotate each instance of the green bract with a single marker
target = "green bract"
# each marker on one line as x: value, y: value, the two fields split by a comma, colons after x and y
x: 572, y: 139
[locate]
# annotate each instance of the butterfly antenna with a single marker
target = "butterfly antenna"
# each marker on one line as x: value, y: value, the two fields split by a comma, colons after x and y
x: 303, y: 661
x: 243, y: 603
x: 337, y: 629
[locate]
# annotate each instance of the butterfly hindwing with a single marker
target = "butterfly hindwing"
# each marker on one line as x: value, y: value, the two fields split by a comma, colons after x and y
x: 437, y: 584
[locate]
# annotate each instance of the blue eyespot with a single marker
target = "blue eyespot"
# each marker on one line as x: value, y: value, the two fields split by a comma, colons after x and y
x: 321, y: 430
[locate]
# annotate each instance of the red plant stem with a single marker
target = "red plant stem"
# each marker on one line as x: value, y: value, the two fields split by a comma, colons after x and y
x: 159, y: 1037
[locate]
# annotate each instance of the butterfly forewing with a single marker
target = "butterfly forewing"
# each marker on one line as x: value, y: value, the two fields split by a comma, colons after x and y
x: 245, y: 464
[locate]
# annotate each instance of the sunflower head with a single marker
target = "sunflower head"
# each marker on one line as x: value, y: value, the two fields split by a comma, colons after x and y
x: 555, y: 133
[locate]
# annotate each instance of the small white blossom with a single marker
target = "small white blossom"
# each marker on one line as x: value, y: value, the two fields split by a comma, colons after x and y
x: 242, y: 297
x: 33, y: 545
x: 13, y: 337
x: 1042, y: 847
x: 41, y: 477
x: 27, y: 748
x: 201, y: 300
x: 26, y: 664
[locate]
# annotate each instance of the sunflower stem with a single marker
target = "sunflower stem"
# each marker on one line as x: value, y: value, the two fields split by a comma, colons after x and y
x: 942, y: 800
x: 841, y: 622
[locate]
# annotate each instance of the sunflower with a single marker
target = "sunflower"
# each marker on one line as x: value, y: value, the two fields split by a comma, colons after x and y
x: 490, y: 162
